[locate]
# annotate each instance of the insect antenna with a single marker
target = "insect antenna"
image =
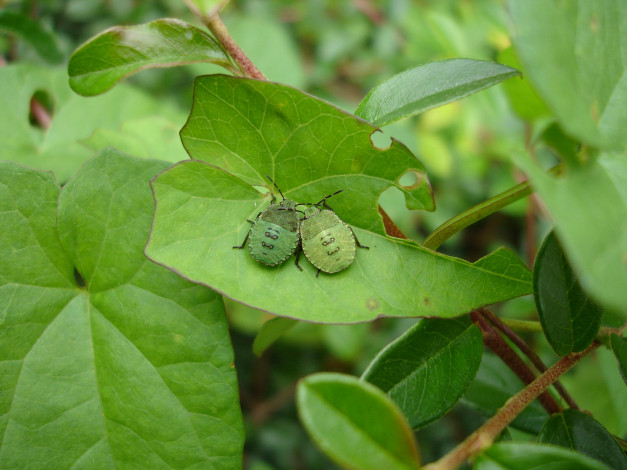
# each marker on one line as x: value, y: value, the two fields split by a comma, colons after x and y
x: 278, y: 189
x: 323, y: 201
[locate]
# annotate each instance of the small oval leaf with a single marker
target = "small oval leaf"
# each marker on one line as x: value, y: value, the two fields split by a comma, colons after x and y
x: 355, y: 423
x: 582, y: 433
x: 569, y: 318
x: 427, y: 86
x: 525, y: 456
x: 118, y: 52
x: 428, y: 368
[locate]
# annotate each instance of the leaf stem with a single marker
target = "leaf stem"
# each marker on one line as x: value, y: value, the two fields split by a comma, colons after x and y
x: 525, y: 326
x: 483, y: 437
x: 478, y: 212
x: 218, y: 29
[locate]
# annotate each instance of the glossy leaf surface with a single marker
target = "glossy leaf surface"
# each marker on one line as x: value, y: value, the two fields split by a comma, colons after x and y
x: 355, y: 423
x: 98, y: 344
x: 310, y: 149
x: 582, y: 433
x: 427, y: 86
x: 118, y: 52
x: 428, y: 368
x: 570, y: 320
x: 527, y: 456
x: 574, y: 54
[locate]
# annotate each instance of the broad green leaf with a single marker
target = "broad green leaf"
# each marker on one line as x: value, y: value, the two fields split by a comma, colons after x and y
x: 574, y: 54
x: 33, y: 32
x: 582, y: 433
x: 118, y: 52
x: 253, y: 128
x: 355, y: 423
x: 74, y: 119
x: 270, y: 331
x: 131, y: 366
x: 619, y: 346
x: 201, y: 215
x: 427, y: 86
x: 494, y: 384
x: 570, y: 320
x: 589, y: 206
x: 528, y: 456
x: 147, y: 137
x: 429, y: 368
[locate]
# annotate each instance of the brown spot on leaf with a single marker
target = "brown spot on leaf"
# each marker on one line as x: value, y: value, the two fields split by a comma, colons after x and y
x: 426, y: 301
x: 594, y: 111
x: 372, y: 304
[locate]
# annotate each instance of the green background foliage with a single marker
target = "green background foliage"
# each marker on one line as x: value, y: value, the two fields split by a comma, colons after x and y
x: 108, y: 359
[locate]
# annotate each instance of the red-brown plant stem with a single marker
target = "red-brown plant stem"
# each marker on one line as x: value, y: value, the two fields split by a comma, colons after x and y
x: 483, y: 437
x: 217, y: 27
x: 499, y: 346
x: 527, y: 351
x: 40, y: 114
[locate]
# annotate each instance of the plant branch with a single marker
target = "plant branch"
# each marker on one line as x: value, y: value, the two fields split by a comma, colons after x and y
x: 217, y: 27
x: 493, y: 340
x: 527, y: 351
x: 483, y: 437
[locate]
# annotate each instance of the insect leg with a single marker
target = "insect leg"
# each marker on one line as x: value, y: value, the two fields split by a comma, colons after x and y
x: 324, y: 200
x: 273, y: 198
x: 245, y: 240
x: 298, y: 250
x: 357, y: 241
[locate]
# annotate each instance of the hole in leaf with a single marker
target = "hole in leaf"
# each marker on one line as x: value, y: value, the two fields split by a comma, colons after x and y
x: 78, y: 278
x: 411, y: 180
x: 41, y: 109
x: 380, y: 140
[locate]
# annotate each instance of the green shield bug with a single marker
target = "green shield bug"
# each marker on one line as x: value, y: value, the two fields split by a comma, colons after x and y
x: 327, y: 241
x: 273, y: 235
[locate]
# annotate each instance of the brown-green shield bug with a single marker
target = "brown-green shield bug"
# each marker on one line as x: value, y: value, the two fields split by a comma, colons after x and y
x: 327, y: 241
x: 273, y: 235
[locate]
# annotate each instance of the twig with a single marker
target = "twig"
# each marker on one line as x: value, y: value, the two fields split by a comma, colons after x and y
x: 494, y: 341
x: 40, y: 114
x: 527, y: 351
x: 217, y: 27
x: 483, y: 437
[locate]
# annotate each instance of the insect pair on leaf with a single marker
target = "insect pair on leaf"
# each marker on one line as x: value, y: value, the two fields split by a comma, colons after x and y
x: 327, y: 241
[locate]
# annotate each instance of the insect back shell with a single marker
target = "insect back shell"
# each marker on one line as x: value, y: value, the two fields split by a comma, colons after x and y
x: 327, y: 241
x: 273, y: 236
